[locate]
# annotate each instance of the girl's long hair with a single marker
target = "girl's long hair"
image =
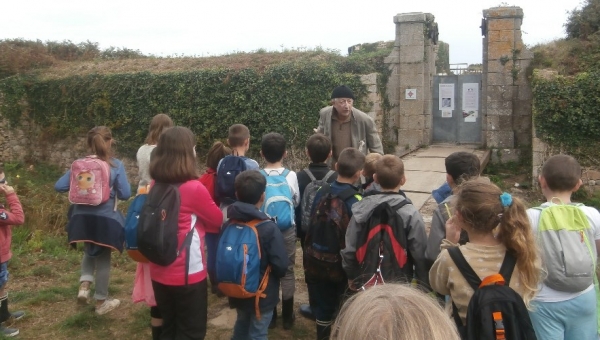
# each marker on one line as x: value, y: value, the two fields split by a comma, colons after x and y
x: 99, y: 141
x: 217, y: 151
x: 173, y: 160
x: 478, y: 202
x: 158, y: 124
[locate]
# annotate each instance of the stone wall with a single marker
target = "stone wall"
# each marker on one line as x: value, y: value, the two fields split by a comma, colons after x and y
x: 506, y: 92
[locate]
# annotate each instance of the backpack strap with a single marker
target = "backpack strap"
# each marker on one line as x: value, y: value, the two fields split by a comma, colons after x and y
x: 472, y: 278
x: 285, y: 172
x: 465, y: 269
x: 347, y: 193
x: 327, y: 175
x: 508, y: 266
x: 310, y: 175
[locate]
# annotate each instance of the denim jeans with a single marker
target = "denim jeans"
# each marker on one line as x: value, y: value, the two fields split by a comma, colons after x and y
x: 570, y: 319
x: 247, y: 327
x: 3, y: 274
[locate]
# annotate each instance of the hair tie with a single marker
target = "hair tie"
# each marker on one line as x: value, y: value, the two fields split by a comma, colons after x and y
x: 506, y: 199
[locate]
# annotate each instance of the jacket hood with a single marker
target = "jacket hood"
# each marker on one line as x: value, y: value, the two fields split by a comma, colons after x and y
x: 245, y: 212
x: 363, y: 209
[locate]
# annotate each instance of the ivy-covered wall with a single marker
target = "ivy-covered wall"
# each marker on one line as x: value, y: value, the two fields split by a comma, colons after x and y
x: 566, y: 117
x: 284, y: 98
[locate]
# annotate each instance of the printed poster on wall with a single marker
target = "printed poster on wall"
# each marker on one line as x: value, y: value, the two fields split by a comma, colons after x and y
x: 470, y: 102
x: 446, y: 97
x: 446, y: 113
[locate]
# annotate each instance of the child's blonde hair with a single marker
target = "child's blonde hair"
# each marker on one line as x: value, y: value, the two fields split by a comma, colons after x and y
x: 478, y: 201
x: 370, y: 160
x: 393, y: 312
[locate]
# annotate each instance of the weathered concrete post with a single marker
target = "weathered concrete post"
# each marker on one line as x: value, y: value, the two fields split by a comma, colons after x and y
x: 506, y: 93
x: 412, y: 63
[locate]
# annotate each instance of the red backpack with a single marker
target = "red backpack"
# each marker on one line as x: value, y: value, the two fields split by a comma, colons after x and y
x: 90, y: 181
x: 208, y: 179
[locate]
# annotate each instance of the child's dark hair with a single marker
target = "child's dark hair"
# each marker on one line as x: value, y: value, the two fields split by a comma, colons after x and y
x: 273, y: 147
x: 173, y: 159
x: 561, y: 172
x: 238, y: 133
x: 318, y: 147
x: 249, y: 186
x: 481, y: 208
x: 390, y: 171
x: 349, y: 162
x: 217, y: 151
x: 158, y: 124
x: 462, y: 166
x: 99, y: 140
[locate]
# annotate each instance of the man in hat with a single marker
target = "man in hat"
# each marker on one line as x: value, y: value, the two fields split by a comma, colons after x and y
x: 347, y: 126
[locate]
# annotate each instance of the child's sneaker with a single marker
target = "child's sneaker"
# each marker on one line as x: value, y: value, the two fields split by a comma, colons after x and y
x: 84, y: 295
x: 14, y: 316
x: 107, y: 306
x: 9, y: 332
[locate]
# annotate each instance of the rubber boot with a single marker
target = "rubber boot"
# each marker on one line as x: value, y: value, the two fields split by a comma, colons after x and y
x: 156, y: 331
x: 287, y: 313
x: 323, y: 332
x: 4, y: 316
x: 273, y: 323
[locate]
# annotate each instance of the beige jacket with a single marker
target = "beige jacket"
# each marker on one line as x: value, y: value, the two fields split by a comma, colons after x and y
x: 446, y: 279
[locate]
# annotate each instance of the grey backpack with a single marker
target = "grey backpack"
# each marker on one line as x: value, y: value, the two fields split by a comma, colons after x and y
x: 568, y: 255
x: 308, y: 197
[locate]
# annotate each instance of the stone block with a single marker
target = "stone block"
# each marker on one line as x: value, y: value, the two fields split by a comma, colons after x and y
x: 498, y: 105
x: 500, y: 139
x: 498, y: 49
x: 416, y: 122
x: 499, y: 112
x: 522, y: 108
x: 498, y: 123
x: 391, y: 59
x: 411, y: 80
x: 503, y: 12
x: 495, y: 66
x: 524, y: 93
x: 412, y: 54
x: 499, y: 79
x: 505, y: 155
x: 501, y: 36
x: 410, y: 17
x: 502, y: 24
x: 410, y: 138
x: 412, y: 107
x: 500, y: 92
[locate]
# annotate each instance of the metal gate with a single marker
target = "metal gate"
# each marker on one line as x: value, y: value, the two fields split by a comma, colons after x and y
x: 456, y: 108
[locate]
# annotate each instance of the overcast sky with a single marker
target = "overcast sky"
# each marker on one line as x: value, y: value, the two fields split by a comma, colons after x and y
x: 202, y: 28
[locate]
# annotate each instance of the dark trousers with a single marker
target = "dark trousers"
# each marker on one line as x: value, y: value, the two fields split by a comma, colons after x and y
x: 327, y: 298
x: 184, y: 310
x: 212, y: 241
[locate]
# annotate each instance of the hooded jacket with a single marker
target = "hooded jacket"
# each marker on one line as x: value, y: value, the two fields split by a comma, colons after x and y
x: 272, y: 252
x: 415, y: 232
x: 8, y: 218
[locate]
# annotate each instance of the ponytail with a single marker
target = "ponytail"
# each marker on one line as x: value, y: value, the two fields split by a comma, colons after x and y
x: 217, y: 151
x: 99, y: 141
x: 515, y: 233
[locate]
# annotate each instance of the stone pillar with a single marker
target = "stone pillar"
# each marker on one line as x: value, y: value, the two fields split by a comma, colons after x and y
x: 373, y: 105
x: 412, y: 65
x: 506, y: 93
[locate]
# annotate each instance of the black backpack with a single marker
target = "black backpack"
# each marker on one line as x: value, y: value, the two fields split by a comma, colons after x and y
x: 381, y: 248
x: 228, y: 169
x: 495, y: 311
x: 158, y: 226
x: 326, y: 236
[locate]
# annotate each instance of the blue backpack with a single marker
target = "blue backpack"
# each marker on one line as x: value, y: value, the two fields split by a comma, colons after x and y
x: 278, y: 200
x: 238, y: 262
x: 131, y: 227
x: 228, y: 169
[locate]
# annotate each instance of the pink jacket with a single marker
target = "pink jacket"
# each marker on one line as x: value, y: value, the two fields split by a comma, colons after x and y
x: 198, y: 211
x: 8, y: 218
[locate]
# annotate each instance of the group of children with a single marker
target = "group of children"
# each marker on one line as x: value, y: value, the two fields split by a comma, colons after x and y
x: 478, y: 218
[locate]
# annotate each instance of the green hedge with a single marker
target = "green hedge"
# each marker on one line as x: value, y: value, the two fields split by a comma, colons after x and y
x: 284, y: 98
x: 566, y: 113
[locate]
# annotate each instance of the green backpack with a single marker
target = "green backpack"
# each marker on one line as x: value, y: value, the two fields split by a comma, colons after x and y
x: 564, y: 234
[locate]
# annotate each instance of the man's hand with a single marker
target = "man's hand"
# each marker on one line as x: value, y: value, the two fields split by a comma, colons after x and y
x: 452, y: 230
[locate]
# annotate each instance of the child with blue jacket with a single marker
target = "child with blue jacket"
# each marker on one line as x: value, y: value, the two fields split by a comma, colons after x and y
x: 100, y: 227
x: 250, y: 190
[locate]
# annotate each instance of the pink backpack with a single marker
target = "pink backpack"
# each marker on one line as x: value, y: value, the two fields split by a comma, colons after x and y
x: 90, y: 181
